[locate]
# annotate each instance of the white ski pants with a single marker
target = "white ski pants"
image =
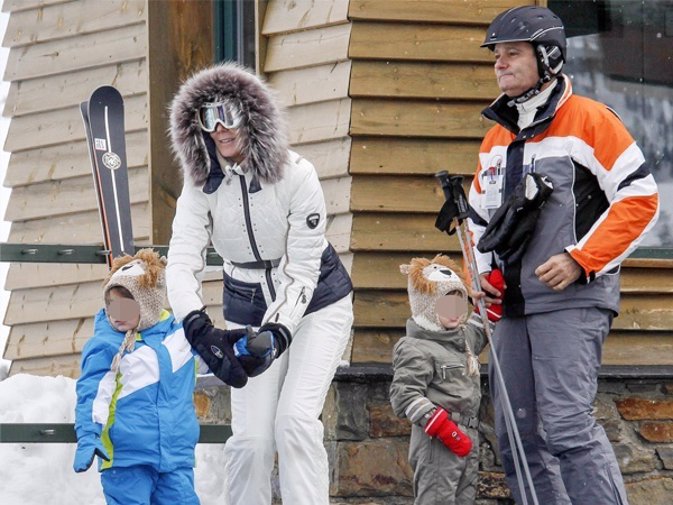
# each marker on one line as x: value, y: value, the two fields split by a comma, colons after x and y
x: 279, y: 411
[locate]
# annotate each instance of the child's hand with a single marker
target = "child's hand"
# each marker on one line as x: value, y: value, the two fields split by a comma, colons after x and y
x: 442, y: 427
x: 88, y: 447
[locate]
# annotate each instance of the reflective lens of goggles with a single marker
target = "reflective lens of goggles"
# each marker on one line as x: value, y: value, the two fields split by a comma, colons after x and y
x: 212, y: 113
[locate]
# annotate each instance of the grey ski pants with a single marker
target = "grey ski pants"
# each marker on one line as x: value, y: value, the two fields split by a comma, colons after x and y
x: 441, y: 477
x: 550, y: 364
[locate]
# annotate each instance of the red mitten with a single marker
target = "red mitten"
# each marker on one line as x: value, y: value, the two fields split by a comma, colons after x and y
x: 442, y: 427
x: 496, y: 279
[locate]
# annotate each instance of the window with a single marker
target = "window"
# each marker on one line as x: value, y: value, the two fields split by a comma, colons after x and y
x: 620, y: 52
x: 235, y: 31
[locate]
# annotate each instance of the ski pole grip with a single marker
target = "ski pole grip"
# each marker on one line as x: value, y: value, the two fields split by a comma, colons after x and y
x: 452, y: 186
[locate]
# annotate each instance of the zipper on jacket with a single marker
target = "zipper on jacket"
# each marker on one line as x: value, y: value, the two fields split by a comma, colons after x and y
x: 444, y: 368
x: 251, y: 235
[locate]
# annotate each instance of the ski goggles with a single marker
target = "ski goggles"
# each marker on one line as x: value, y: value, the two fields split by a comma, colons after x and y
x: 224, y: 113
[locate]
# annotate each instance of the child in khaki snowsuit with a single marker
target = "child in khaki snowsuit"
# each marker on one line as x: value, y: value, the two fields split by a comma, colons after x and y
x: 436, y: 383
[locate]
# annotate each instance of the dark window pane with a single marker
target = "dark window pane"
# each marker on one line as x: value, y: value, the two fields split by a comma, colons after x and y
x: 620, y: 52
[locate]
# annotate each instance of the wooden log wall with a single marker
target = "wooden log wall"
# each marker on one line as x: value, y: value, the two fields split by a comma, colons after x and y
x: 418, y: 83
x: 60, y: 51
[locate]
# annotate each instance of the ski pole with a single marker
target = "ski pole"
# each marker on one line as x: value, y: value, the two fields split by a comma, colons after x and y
x: 452, y: 186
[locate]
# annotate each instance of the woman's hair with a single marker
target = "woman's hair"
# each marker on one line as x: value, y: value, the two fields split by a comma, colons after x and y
x: 121, y: 291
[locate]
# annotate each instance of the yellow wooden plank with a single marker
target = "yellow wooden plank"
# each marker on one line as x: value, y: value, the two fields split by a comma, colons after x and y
x: 373, y: 270
x: 67, y: 196
x: 82, y: 228
x: 62, y: 161
x: 388, y: 193
x: 385, y: 309
x: 50, y: 338
x: 312, y: 84
x: 431, y: 11
x: 646, y: 280
x: 65, y: 125
x: 399, y: 232
x: 330, y: 157
x: 375, y: 346
x: 308, y: 48
x: 392, y: 79
x: 417, y: 41
x: 294, y: 15
x: 66, y: 365
x: 71, y: 19
x: 89, y: 50
x: 372, y: 155
x: 414, y: 118
x: 65, y: 90
x: 31, y: 275
x: 319, y: 121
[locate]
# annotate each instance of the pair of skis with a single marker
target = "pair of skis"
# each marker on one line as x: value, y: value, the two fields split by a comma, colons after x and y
x: 103, y: 116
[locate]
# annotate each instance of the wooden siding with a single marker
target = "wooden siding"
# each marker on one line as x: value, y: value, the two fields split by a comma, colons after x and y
x: 59, y: 53
x: 306, y: 62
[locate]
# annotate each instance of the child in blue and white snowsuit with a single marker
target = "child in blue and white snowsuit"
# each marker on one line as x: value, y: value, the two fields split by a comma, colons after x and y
x: 135, y: 407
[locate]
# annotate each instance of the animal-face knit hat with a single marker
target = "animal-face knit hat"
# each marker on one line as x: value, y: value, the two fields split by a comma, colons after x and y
x: 144, y: 275
x: 262, y: 137
x: 428, y: 281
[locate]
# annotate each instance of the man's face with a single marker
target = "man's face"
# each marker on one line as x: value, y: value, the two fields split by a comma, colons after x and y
x: 515, y: 67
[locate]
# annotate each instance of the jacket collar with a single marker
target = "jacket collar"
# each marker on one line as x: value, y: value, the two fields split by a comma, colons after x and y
x: 454, y: 337
x: 505, y: 115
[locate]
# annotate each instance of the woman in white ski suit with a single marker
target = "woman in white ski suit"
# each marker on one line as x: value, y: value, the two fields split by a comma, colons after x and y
x: 265, y: 216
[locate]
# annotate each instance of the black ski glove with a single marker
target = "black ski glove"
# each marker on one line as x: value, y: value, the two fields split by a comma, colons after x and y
x: 256, y: 352
x: 280, y: 333
x: 215, y: 347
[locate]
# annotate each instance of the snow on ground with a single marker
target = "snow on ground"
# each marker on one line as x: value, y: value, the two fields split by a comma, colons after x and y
x: 39, y: 474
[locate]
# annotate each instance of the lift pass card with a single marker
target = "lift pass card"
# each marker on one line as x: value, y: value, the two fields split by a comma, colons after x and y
x: 491, y: 183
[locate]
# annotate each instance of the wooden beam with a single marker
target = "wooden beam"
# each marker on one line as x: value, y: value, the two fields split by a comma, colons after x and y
x: 63, y: 161
x: 67, y: 90
x: 415, y: 118
x: 312, y: 84
x: 475, y: 12
x: 452, y: 81
x: 32, y: 275
x: 393, y: 155
x: 52, y: 338
x: 309, y: 48
x: 20, y: 5
x: 65, y: 125
x: 67, y: 196
x: 398, y: 232
x: 319, y: 121
x: 417, y: 41
x: 83, y: 228
x: 180, y: 37
x: 329, y: 157
x: 285, y: 16
x: 89, y: 50
x: 53, y: 366
x: 71, y: 19
x: 389, y: 193
x: 337, y: 193
x: 643, y: 349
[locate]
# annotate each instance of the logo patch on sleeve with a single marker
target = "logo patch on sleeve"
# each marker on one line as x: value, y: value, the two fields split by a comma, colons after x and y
x: 313, y: 220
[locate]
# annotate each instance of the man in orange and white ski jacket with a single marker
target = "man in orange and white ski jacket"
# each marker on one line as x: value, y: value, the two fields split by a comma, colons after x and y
x: 562, y: 292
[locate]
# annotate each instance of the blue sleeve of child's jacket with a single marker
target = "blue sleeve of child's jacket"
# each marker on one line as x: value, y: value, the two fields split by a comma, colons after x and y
x: 97, y: 357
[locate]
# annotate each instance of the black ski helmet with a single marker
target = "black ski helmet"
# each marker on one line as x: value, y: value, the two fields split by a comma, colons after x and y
x: 537, y: 25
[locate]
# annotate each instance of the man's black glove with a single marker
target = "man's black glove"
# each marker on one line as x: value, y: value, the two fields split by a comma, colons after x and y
x: 511, y: 227
x: 215, y: 347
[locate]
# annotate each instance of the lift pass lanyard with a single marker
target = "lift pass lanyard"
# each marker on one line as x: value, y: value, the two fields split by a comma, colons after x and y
x: 491, y: 182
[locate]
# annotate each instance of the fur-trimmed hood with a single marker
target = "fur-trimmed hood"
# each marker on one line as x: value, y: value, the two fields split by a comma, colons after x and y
x: 262, y: 132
